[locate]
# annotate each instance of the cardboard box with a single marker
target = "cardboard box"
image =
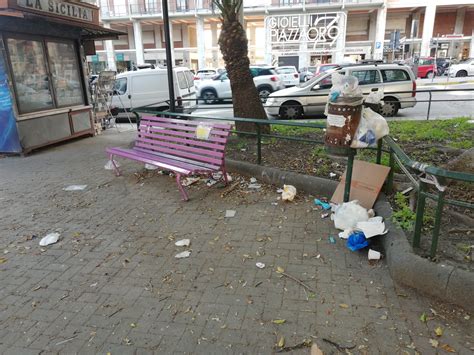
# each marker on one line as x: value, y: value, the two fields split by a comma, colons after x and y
x: 367, y: 181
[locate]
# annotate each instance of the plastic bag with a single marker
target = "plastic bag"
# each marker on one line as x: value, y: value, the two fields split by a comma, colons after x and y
x: 348, y: 214
x: 289, y: 193
x: 344, y: 86
x: 372, y: 127
x: 357, y: 241
x: 203, y: 131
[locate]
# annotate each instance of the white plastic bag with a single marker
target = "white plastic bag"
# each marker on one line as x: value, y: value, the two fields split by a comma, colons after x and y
x: 348, y: 214
x: 344, y: 86
x: 372, y: 127
x: 203, y: 131
x: 289, y: 193
x: 110, y: 165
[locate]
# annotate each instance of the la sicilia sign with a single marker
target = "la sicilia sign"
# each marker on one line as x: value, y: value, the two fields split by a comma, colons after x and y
x: 317, y: 29
x: 57, y: 7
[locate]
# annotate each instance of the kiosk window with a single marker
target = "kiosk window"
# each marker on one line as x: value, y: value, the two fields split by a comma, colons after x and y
x: 45, y: 74
x: 65, y: 73
x: 33, y: 91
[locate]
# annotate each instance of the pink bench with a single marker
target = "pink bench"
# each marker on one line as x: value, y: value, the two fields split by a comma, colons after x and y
x: 172, y: 144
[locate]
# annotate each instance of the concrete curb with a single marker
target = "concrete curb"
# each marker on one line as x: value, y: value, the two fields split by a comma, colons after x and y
x: 445, y: 282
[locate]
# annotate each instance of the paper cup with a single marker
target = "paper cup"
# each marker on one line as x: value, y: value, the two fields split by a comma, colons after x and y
x: 374, y: 255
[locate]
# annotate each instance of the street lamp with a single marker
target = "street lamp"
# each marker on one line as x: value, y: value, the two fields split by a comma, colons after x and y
x: 169, y: 64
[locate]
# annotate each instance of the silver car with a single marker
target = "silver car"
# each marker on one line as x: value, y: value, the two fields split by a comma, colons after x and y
x: 311, y: 96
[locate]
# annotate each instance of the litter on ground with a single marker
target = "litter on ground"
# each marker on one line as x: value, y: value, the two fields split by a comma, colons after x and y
x: 150, y: 167
x: 357, y: 241
x: 183, y: 243
x: 260, y: 265
x: 51, y: 238
x: 75, y: 188
x: 324, y: 205
x: 374, y: 255
x: 289, y: 193
x: 110, y: 165
x: 183, y: 254
x: 230, y: 213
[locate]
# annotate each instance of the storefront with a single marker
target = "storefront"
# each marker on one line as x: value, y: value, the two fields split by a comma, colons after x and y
x: 43, y: 72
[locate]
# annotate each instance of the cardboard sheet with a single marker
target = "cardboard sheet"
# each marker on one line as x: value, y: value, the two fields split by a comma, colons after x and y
x: 367, y: 181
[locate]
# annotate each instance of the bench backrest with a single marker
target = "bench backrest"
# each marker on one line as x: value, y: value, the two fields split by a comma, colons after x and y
x: 177, y: 138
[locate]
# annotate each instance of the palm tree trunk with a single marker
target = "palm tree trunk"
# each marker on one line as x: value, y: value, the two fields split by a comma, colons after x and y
x: 234, y: 47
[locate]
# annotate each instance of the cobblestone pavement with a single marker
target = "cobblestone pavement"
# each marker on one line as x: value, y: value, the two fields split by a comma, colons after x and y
x: 112, y: 284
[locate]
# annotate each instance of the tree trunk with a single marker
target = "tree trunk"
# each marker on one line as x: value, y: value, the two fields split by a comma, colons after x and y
x: 246, y: 100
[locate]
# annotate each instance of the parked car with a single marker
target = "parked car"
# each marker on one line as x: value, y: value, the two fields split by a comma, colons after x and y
x: 390, y: 78
x: 149, y: 87
x: 426, y: 67
x: 218, y: 88
x: 463, y: 68
x: 309, y: 72
x: 289, y: 75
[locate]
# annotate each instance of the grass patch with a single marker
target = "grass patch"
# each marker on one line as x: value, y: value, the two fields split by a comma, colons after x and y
x: 405, y: 217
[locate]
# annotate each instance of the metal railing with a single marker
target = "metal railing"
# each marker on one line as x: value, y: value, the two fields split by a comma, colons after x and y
x: 421, y: 175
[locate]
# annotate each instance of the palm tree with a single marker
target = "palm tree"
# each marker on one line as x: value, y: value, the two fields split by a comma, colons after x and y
x: 234, y: 48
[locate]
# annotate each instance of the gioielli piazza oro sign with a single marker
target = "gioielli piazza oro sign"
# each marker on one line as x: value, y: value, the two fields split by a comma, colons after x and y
x: 58, y: 8
x: 318, y: 30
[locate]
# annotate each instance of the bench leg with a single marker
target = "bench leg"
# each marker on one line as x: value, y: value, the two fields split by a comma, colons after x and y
x: 117, y: 170
x: 181, y: 188
x: 224, y: 175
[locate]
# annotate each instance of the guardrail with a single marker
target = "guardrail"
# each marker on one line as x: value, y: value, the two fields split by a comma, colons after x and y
x: 421, y: 175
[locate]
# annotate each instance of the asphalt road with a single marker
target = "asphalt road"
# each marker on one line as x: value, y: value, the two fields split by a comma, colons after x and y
x: 445, y: 109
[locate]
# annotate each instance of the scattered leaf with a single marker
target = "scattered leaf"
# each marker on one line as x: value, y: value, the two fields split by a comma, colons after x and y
x: 423, y: 317
x: 278, y: 321
x: 280, y: 270
x: 438, y: 331
x: 343, y: 305
x: 384, y: 317
x: 3, y: 260
x: 281, y: 342
x: 434, y: 343
x: 447, y: 348
x: 467, y: 317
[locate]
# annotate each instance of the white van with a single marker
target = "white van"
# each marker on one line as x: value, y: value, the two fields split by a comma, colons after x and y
x: 149, y: 88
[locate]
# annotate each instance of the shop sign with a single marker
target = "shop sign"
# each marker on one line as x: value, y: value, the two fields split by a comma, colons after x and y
x: 57, y: 7
x: 119, y: 57
x: 317, y: 29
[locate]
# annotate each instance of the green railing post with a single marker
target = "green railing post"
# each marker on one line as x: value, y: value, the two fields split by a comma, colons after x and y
x: 437, y: 225
x: 379, y: 152
x: 391, y: 163
x: 420, y: 211
x: 259, y: 144
x: 350, y: 165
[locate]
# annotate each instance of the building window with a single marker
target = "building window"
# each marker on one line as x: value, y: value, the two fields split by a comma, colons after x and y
x: 45, y: 74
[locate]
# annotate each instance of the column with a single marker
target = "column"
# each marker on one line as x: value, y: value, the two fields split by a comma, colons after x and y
x: 380, y: 33
x: 251, y: 43
x: 303, y: 48
x: 428, y: 26
x: 109, y: 52
x: 372, y: 25
x: 201, y: 46
x: 185, y: 38
x: 137, y: 34
x: 471, y: 49
x: 338, y: 56
x: 214, y: 44
x: 268, y: 45
x: 460, y: 15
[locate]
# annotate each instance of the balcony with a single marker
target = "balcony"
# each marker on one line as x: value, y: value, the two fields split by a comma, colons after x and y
x: 145, y: 8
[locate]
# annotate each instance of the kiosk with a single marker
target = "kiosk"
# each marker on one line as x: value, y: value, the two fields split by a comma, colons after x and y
x: 43, y: 71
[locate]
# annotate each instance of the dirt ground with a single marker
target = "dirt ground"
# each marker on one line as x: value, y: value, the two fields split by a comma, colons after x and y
x: 456, y: 241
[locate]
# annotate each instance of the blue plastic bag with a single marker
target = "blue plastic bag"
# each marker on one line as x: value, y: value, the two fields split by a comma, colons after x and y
x: 324, y: 205
x: 357, y: 241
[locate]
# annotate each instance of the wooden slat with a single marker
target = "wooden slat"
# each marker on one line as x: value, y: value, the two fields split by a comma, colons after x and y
x: 192, y: 142
x: 181, y: 127
x: 223, y: 126
x: 181, y: 147
x: 184, y: 134
x: 193, y: 163
x: 179, y: 153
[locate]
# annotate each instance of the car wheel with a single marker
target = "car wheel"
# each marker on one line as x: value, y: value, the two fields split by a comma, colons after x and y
x: 461, y: 74
x: 291, y: 110
x: 209, y: 97
x: 389, y: 108
x: 264, y: 93
x: 430, y: 75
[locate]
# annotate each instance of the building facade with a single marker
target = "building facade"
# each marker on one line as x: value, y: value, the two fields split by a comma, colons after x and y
x: 296, y: 32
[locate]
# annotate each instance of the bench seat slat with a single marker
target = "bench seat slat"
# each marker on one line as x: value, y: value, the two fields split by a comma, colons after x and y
x: 190, y: 129
x: 223, y: 126
x: 190, y: 142
x: 165, y: 163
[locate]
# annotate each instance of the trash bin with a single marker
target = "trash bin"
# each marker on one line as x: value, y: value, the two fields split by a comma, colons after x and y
x: 343, y: 119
